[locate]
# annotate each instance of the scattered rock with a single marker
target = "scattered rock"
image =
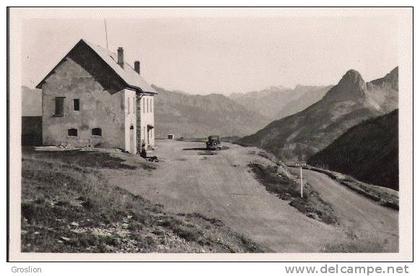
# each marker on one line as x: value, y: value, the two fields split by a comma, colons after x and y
x: 65, y: 239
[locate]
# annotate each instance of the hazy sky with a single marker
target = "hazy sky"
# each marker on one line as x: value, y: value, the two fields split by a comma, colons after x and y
x: 224, y: 52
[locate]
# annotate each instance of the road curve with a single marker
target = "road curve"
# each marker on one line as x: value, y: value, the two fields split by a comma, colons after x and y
x: 362, y: 218
x: 222, y: 186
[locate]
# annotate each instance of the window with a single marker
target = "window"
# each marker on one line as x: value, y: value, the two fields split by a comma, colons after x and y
x: 151, y: 104
x: 72, y: 132
x: 148, y: 105
x: 76, y: 104
x: 144, y: 105
x: 59, y: 106
x: 128, y: 105
x: 97, y: 131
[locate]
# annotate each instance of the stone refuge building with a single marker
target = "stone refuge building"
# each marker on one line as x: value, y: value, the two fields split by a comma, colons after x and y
x: 92, y: 97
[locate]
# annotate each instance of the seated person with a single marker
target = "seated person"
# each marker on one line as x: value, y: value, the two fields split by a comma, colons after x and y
x: 143, y: 152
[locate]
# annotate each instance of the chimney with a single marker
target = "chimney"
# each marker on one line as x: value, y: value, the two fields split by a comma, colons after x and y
x: 137, y: 66
x: 120, y: 57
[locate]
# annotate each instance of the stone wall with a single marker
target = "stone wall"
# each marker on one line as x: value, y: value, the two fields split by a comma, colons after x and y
x: 102, y: 103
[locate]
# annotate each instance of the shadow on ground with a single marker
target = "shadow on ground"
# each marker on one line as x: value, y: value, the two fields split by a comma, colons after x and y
x: 194, y: 149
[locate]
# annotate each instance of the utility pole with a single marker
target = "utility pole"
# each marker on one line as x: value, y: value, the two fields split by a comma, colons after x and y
x: 301, y: 182
x: 300, y: 164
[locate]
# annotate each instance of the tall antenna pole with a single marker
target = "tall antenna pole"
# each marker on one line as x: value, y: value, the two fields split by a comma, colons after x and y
x: 106, y: 34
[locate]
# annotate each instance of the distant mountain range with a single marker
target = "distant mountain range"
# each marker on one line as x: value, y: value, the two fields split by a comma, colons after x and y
x: 31, y: 101
x: 308, y: 96
x: 348, y: 103
x: 367, y: 151
x: 189, y: 115
x: 277, y: 102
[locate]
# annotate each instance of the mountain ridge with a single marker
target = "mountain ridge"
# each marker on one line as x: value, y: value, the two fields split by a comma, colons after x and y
x: 368, y: 151
x: 276, y: 102
x: 195, y: 116
x: 346, y: 104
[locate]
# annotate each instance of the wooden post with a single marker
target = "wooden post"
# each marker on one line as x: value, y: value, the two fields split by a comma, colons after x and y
x: 301, y: 182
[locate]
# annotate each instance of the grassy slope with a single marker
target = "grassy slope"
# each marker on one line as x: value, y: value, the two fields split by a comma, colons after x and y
x: 368, y: 152
x: 67, y: 206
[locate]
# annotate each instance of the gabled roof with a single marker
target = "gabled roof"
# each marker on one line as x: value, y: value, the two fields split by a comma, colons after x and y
x: 131, y: 78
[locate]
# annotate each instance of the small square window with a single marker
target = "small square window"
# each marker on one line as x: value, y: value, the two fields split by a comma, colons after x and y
x: 97, y: 131
x: 76, y: 104
x: 72, y: 132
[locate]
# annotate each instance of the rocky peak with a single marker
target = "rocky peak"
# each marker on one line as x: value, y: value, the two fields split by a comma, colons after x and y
x: 390, y: 80
x: 394, y: 72
x: 352, y: 78
x: 350, y: 87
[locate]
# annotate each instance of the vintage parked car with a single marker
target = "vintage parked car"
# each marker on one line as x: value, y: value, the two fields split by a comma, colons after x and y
x: 213, y: 143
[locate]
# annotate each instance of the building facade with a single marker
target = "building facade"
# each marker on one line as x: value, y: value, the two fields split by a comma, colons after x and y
x: 94, y: 98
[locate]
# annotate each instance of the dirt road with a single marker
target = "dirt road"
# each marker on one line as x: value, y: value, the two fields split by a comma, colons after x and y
x: 222, y: 186
x: 358, y: 216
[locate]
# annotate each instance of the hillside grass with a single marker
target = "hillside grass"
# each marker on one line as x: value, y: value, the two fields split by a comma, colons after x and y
x: 68, y: 206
